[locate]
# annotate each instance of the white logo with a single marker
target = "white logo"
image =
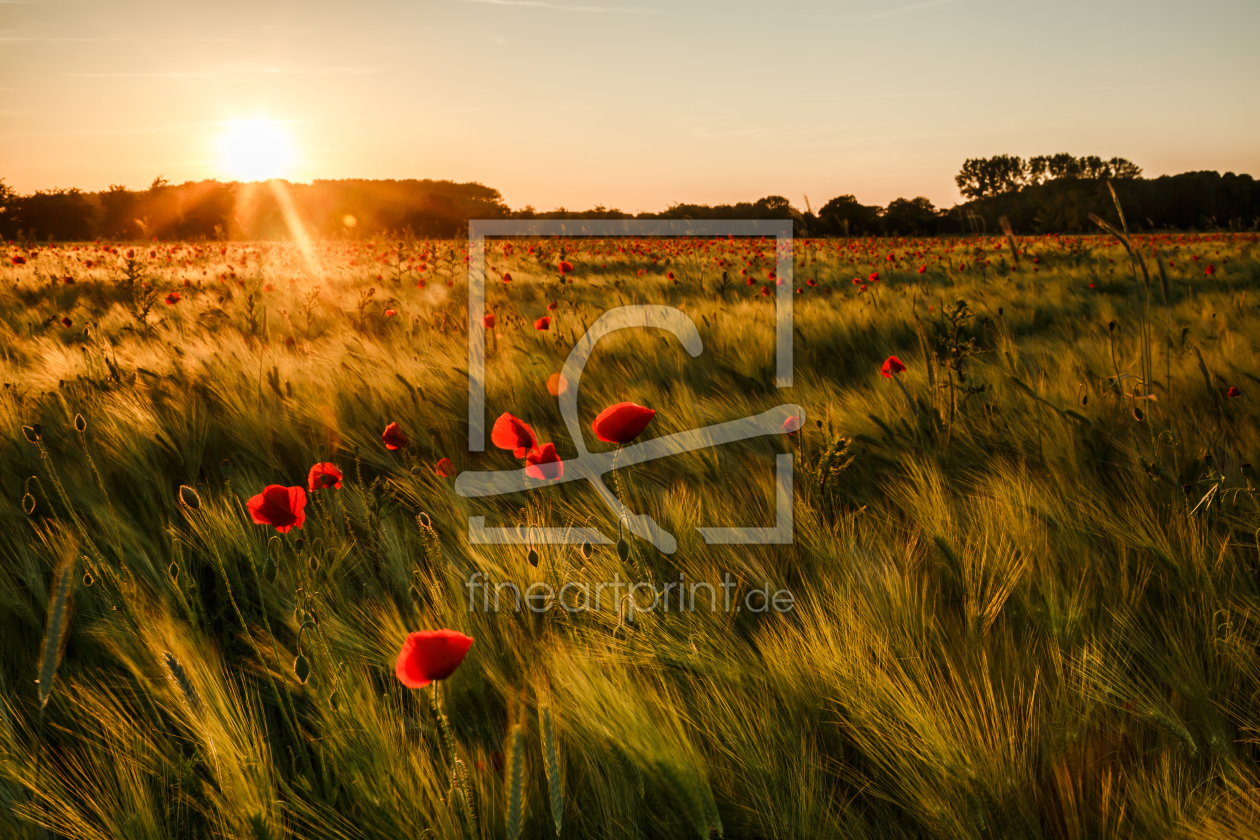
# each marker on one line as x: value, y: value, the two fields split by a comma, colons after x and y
x: 593, y: 466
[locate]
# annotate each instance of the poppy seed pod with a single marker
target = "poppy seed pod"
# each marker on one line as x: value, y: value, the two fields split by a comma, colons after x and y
x: 269, y: 570
x: 80, y: 424
x: 623, y: 549
x: 188, y: 497
x: 586, y: 551
x: 532, y: 557
x: 31, y: 433
x: 301, y: 669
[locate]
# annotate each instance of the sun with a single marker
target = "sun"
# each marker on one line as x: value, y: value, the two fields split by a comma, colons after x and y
x: 255, y: 150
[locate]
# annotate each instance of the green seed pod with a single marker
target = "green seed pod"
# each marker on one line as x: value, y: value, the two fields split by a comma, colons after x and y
x: 28, y: 504
x: 417, y: 471
x: 80, y: 424
x: 301, y: 669
x: 587, y: 550
x: 188, y: 497
x: 532, y: 557
x: 88, y: 580
x: 312, y: 563
x: 623, y: 549
x: 173, y: 571
x: 299, y: 543
x: 423, y: 519
x: 31, y: 434
x: 334, y: 700
x: 269, y: 570
x: 225, y: 468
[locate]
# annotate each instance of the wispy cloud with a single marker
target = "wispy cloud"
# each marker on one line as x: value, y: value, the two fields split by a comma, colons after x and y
x: 561, y: 7
x: 912, y: 8
x: 231, y: 71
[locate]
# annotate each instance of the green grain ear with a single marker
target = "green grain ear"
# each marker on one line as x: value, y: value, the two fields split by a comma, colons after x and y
x: 55, y: 633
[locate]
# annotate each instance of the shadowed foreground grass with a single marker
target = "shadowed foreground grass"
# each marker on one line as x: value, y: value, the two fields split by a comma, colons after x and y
x: 1023, y: 586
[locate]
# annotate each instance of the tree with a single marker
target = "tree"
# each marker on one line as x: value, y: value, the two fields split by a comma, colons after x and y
x: 910, y: 215
x: 985, y: 177
x: 846, y: 208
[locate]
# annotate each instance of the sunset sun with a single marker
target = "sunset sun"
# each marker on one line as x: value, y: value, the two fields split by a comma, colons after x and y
x: 255, y: 150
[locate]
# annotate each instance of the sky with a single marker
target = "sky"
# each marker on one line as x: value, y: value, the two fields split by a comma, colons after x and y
x: 629, y: 104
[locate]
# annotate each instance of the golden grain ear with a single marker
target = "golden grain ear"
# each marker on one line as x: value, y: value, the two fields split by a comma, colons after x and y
x: 56, y: 632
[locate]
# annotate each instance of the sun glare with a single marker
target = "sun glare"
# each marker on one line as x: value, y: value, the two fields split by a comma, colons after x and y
x: 256, y: 150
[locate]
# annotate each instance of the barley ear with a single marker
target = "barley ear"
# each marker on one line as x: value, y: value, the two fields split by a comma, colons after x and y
x: 551, y: 763
x: 516, y: 783
x: 55, y: 633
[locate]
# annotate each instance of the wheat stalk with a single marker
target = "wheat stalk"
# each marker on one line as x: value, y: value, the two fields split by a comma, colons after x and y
x: 516, y: 784
x: 55, y: 633
x: 551, y: 764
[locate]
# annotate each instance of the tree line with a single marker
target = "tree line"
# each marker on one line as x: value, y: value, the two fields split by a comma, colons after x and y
x: 1042, y: 194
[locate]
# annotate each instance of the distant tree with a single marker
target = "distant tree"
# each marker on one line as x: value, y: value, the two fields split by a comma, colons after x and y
x: 8, y: 203
x: 986, y: 177
x: 846, y: 208
x: 61, y: 214
x: 910, y: 215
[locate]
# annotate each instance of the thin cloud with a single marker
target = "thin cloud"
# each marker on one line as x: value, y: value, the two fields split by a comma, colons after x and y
x: 912, y: 8
x: 193, y: 74
x: 559, y: 7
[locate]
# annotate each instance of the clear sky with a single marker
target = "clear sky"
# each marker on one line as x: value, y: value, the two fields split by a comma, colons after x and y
x: 633, y: 104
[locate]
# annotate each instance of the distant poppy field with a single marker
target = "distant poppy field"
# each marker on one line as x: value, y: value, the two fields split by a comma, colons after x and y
x: 239, y: 599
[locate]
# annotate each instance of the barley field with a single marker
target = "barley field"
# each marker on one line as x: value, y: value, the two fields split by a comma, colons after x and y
x: 1021, y: 580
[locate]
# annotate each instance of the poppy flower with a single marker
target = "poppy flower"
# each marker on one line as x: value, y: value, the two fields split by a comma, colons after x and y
x: 280, y: 507
x: 430, y: 655
x: 542, y: 462
x: 507, y: 277
x: 323, y: 476
x: 444, y: 468
x: 488, y: 321
x: 892, y: 366
x: 565, y: 266
x: 551, y: 307
x: 394, y: 437
x: 790, y: 425
x: 874, y: 278
x: 513, y: 433
x: 390, y: 313
x: 922, y: 269
x: 811, y: 282
x: 66, y: 322
x: 750, y: 282
x: 1210, y: 270
x: 622, y: 423
x: 1233, y: 391
x: 765, y: 291
x: 172, y: 299
x: 543, y: 323
x: 19, y: 260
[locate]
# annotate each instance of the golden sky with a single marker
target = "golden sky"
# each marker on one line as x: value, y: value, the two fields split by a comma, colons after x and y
x: 633, y: 104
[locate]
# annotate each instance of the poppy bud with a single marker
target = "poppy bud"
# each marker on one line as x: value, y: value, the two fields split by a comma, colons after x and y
x: 333, y: 701
x: 188, y: 497
x: 31, y: 434
x: 587, y: 549
x: 301, y: 669
x: 299, y: 543
x: 532, y: 557
x: 28, y: 504
x: 225, y: 468
x: 80, y: 425
x: 1247, y: 471
x: 417, y: 471
x: 423, y: 519
x: 173, y: 571
x: 313, y: 563
x: 1137, y: 414
x: 623, y: 549
x: 269, y: 570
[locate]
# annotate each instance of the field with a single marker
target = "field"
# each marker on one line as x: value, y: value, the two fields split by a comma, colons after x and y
x: 1022, y: 575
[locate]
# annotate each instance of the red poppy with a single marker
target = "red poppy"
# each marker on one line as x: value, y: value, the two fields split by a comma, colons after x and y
x: 565, y: 266
x: 172, y: 299
x: 622, y: 423
x: 551, y: 306
x: 430, y: 655
x: 390, y: 313
x: 922, y: 269
x: 765, y: 291
x: 394, y: 437
x: 322, y: 476
x: 513, y: 433
x: 66, y: 322
x: 750, y: 282
x: 281, y: 507
x: 1210, y: 270
x: 791, y: 424
x: 19, y: 260
x: 507, y: 277
x: 444, y: 468
x: 874, y: 278
x: 892, y: 366
x: 811, y: 282
x: 541, y: 462
x: 488, y: 321
x: 543, y: 323
x: 1233, y: 391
